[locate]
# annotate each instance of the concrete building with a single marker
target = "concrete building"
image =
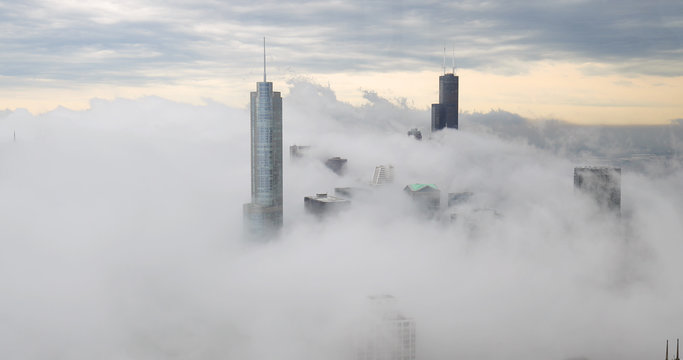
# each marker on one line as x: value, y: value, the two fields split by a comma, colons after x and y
x: 426, y: 196
x: 263, y: 215
x: 323, y: 204
x: 603, y: 184
x: 336, y: 164
x: 445, y: 113
x: 387, y: 334
x: 383, y: 175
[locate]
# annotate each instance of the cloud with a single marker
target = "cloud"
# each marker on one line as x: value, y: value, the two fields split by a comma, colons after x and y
x: 121, y: 233
x: 136, y: 43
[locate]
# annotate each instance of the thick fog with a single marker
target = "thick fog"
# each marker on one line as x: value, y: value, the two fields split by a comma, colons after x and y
x: 121, y: 235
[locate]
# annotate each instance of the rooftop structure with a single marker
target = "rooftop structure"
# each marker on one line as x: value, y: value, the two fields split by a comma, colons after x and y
x: 603, y: 184
x: 336, y: 164
x: 263, y: 215
x: 323, y: 204
x: 427, y: 196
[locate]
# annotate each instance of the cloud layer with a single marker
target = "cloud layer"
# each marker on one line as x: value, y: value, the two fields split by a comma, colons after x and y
x: 121, y: 231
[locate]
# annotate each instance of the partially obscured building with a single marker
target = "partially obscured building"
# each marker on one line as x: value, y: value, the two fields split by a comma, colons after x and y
x: 383, y: 175
x: 386, y: 334
x: 336, y: 164
x: 351, y: 192
x: 603, y: 184
x: 297, y: 151
x: 263, y: 215
x: 426, y: 196
x: 445, y: 113
x: 459, y: 198
x: 323, y: 204
x: 416, y: 133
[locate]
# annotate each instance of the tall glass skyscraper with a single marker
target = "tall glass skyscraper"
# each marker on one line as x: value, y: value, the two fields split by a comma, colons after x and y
x: 263, y: 216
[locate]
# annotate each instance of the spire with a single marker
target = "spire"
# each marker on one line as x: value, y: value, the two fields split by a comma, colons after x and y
x: 264, y: 59
x: 677, y: 358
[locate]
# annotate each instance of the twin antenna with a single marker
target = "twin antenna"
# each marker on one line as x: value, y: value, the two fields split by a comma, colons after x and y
x: 444, y: 60
x: 264, y: 59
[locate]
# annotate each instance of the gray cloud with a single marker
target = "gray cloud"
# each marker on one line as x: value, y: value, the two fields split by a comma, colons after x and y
x: 121, y: 234
x: 122, y: 43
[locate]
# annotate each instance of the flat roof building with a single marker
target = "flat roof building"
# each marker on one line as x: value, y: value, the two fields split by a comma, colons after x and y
x: 336, y: 164
x: 323, y: 204
x: 445, y: 113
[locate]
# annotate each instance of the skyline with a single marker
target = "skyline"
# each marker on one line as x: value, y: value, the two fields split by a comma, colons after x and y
x: 575, y: 61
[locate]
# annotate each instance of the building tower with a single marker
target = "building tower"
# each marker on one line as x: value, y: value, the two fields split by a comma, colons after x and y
x: 445, y: 113
x: 386, y: 334
x: 263, y: 215
x: 602, y: 184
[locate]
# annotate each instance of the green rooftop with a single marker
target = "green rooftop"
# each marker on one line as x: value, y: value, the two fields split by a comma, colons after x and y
x: 418, y: 187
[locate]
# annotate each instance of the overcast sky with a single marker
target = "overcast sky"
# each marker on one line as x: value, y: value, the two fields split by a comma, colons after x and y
x: 581, y: 61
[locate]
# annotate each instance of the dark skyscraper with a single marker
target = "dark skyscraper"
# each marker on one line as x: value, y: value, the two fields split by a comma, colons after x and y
x: 445, y: 113
x: 602, y: 184
x: 263, y: 216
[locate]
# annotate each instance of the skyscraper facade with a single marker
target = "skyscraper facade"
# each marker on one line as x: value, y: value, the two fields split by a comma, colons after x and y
x: 263, y: 215
x: 445, y: 113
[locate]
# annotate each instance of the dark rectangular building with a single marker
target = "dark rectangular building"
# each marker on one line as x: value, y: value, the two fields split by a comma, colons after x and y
x: 445, y: 113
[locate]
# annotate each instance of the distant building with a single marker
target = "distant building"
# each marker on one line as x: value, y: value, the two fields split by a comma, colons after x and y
x: 426, y: 196
x: 323, y: 204
x: 459, y: 198
x: 445, y: 113
x: 602, y: 184
x: 383, y: 175
x: 351, y: 192
x: 297, y: 151
x: 263, y: 215
x: 336, y: 164
x: 386, y: 334
x: 416, y: 133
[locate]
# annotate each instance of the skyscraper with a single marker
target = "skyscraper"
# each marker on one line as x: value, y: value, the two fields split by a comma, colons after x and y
x: 445, y: 113
x: 263, y: 215
x: 602, y: 184
x: 387, y: 334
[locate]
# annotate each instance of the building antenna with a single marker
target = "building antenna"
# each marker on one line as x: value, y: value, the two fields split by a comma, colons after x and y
x: 444, y: 60
x: 453, y: 59
x: 667, y: 350
x: 264, y: 59
x: 677, y: 358
x: 15, y: 136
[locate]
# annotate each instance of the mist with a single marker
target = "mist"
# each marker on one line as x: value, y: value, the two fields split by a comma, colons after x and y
x: 121, y: 230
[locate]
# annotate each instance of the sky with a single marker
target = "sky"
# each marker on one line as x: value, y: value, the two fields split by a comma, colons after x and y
x: 121, y: 236
x: 584, y: 62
